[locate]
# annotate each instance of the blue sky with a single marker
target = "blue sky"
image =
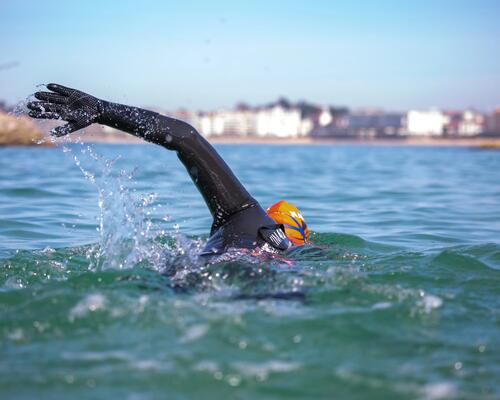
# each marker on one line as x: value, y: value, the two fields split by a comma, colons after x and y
x: 210, y: 54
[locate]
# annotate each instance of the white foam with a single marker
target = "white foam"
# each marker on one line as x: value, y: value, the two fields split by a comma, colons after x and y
x: 91, y: 303
x: 207, y: 365
x: 261, y: 371
x: 194, y: 332
x: 94, y: 356
x: 13, y: 283
x: 383, y: 305
x: 438, y: 391
x: 147, y: 365
x: 430, y: 302
x: 16, y: 335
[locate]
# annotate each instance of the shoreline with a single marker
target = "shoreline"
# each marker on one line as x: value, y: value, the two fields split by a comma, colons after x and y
x: 480, y: 142
x: 424, y: 141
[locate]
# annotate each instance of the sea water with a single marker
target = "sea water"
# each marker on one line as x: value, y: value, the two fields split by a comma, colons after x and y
x: 102, y: 295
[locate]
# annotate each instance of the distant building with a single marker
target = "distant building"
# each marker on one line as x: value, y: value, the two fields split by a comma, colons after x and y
x: 471, y: 124
x: 375, y: 123
x: 464, y: 123
x: 306, y: 126
x: 365, y: 123
x: 452, y: 124
x: 238, y: 122
x: 210, y: 124
x: 279, y: 121
x: 493, y: 123
x: 286, y: 120
x: 325, y: 117
x: 430, y: 123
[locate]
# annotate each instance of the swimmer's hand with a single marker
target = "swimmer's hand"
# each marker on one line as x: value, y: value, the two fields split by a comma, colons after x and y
x: 77, y: 108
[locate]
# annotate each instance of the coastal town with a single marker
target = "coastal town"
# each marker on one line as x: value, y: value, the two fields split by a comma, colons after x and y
x: 283, y: 120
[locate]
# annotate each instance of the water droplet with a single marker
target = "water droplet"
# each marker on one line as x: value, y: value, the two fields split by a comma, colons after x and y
x: 218, y: 375
x: 234, y: 380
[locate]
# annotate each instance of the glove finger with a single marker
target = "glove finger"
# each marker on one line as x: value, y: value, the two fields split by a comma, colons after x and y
x: 51, y: 97
x: 44, y: 115
x: 65, y: 91
x: 45, y: 107
x: 63, y: 129
x: 68, y: 128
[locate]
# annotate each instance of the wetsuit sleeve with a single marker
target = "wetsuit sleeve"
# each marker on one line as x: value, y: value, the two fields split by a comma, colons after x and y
x: 222, y: 191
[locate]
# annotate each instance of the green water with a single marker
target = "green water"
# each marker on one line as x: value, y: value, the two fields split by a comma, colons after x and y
x: 400, y: 298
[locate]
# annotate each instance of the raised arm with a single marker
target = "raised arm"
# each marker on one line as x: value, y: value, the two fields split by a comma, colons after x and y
x: 222, y: 191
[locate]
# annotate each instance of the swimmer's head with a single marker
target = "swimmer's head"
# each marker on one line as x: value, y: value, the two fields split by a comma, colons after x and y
x: 287, y: 214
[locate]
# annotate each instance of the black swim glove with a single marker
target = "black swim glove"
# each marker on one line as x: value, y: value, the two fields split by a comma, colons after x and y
x: 77, y: 108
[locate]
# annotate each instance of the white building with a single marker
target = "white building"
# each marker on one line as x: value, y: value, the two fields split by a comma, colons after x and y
x: 279, y: 121
x: 274, y: 121
x: 325, y: 118
x: 431, y: 122
x: 472, y: 123
x: 239, y: 122
x: 306, y: 126
x: 211, y: 124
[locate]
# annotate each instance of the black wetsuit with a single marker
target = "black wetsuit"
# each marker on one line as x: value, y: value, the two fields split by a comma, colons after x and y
x: 238, y: 219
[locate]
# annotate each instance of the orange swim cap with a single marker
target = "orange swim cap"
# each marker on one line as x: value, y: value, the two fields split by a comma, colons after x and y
x: 287, y: 214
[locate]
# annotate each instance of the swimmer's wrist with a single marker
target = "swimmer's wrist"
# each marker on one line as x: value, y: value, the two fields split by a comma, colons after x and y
x: 106, y: 113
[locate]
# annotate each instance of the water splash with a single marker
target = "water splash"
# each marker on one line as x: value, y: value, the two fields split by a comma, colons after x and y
x: 128, y: 234
x: 21, y: 110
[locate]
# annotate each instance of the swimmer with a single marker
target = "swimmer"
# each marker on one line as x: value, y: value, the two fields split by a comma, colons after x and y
x: 238, y: 219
